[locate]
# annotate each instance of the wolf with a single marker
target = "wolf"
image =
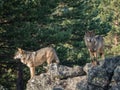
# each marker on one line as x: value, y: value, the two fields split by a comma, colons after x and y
x: 36, y: 58
x: 95, y: 45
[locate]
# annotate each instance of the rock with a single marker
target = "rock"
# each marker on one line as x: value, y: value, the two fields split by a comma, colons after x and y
x: 97, y: 76
x: 62, y: 72
x: 72, y: 83
x: 43, y: 82
x: 111, y: 63
x: 53, y: 79
x: 105, y: 76
x: 82, y: 84
x: 93, y: 87
x: 115, y: 82
x: 115, y: 87
x: 87, y: 67
x: 116, y: 75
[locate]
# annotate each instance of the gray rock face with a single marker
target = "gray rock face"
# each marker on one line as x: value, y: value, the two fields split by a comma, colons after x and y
x: 87, y: 67
x: 115, y: 82
x: 111, y: 63
x: 98, y: 76
x: 57, y: 78
x: 64, y: 72
x: 82, y: 84
x: 105, y: 76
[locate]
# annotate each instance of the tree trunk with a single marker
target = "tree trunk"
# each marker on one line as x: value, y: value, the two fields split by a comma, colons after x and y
x: 20, y: 85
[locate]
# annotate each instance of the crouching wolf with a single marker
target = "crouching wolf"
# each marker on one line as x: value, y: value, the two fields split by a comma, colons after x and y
x: 95, y: 45
x: 33, y: 59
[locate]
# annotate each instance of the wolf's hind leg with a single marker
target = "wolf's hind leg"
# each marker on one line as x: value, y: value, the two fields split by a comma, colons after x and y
x: 49, y: 61
x: 57, y: 60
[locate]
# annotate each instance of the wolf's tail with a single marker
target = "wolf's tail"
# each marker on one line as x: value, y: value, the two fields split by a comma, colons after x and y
x: 56, y: 58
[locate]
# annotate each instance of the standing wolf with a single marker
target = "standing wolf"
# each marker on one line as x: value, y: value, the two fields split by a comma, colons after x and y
x: 33, y: 59
x: 95, y: 45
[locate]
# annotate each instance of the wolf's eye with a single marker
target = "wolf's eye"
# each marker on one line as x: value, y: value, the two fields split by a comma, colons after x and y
x: 19, y: 55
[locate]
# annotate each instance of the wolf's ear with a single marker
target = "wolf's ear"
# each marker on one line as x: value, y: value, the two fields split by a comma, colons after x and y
x: 87, y: 32
x: 92, y: 33
x: 20, y: 50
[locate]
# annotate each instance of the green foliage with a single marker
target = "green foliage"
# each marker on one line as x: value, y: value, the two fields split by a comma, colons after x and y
x: 8, y: 75
x: 33, y: 24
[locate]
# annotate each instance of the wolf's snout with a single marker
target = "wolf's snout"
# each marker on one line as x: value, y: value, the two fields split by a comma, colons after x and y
x: 14, y: 57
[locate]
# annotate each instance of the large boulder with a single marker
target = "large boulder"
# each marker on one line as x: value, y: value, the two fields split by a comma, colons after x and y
x: 105, y: 76
x: 45, y: 83
x: 57, y: 78
x: 88, y: 66
x: 82, y: 84
x: 115, y: 82
x: 98, y: 76
x: 62, y: 72
x: 111, y: 63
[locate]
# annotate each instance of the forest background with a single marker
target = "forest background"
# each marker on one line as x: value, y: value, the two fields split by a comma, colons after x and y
x: 34, y: 24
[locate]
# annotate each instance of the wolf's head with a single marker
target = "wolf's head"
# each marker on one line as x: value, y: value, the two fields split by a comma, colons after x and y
x: 89, y: 36
x: 90, y: 40
x: 19, y: 54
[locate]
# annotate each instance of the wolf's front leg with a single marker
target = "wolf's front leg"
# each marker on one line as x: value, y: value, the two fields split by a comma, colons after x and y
x: 102, y: 55
x: 96, y: 58
x: 32, y: 71
x: 91, y: 57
